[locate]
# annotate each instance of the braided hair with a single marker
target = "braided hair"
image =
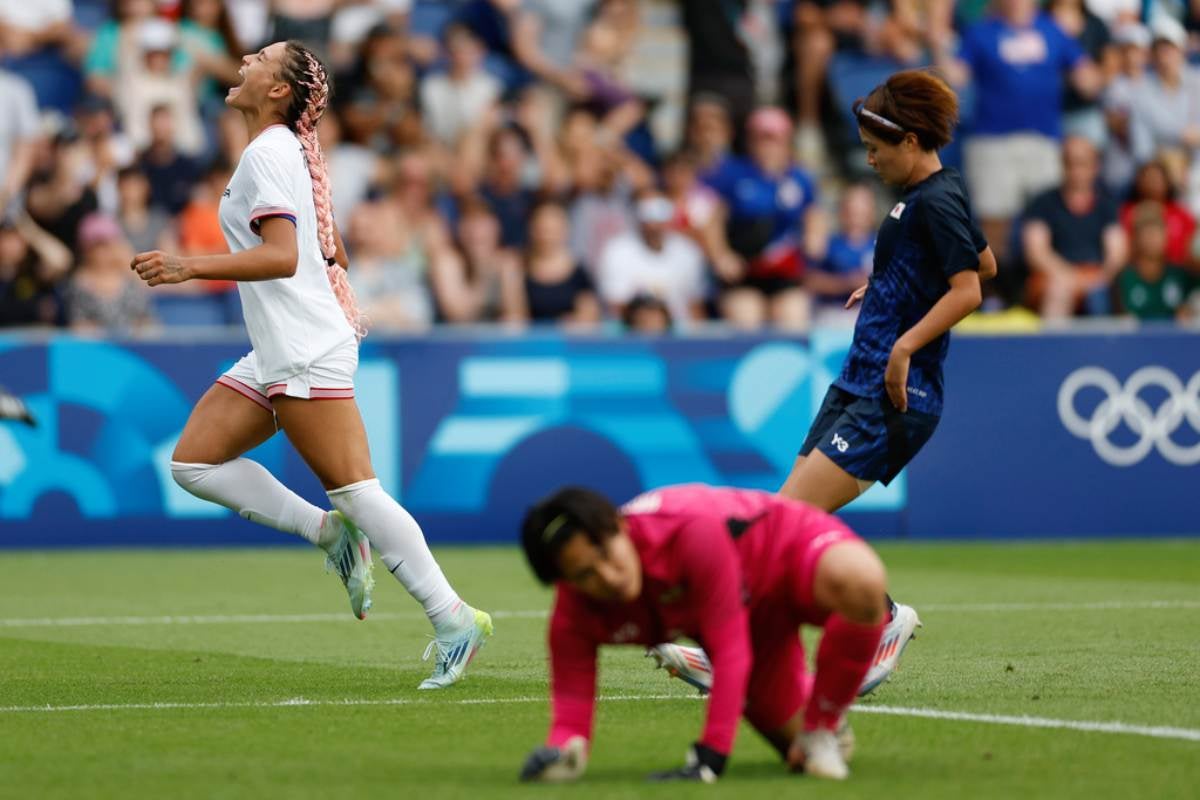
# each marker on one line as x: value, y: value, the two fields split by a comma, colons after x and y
x: 310, y: 84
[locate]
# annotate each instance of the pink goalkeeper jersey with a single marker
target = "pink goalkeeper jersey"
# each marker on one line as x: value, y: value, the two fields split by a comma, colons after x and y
x: 709, y: 557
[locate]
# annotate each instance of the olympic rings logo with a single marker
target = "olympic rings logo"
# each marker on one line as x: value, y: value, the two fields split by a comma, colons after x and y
x: 1124, y: 404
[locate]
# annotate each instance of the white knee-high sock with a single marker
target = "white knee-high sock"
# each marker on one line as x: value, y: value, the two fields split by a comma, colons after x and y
x: 402, y: 548
x: 246, y: 487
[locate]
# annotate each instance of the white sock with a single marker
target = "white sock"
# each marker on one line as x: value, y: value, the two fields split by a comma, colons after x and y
x: 402, y: 548
x: 246, y: 487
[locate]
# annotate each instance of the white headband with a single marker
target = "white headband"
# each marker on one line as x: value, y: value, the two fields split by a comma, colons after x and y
x: 881, y: 120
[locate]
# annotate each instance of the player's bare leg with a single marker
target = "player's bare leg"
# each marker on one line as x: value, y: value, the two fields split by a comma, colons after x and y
x: 329, y: 435
x: 207, y: 462
x: 816, y: 480
x: 223, y: 426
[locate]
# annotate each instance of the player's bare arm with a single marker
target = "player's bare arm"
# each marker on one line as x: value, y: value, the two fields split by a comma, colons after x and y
x: 274, y: 258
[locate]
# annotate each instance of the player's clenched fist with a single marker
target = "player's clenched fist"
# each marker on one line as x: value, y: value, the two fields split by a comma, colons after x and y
x: 155, y: 267
x: 557, y: 764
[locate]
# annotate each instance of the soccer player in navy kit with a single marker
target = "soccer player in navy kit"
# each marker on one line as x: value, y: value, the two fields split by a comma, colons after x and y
x: 929, y: 261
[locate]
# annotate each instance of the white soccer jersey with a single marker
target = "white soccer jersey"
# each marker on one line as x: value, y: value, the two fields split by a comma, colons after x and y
x: 291, y: 321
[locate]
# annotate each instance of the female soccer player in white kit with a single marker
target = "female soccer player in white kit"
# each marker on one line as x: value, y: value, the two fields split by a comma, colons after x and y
x: 304, y: 326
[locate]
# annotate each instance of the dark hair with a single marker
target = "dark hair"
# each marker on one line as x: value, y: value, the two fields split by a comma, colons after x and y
x: 1135, y: 192
x: 644, y: 302
x: 916, y: 101
x: 459, y: 29
x: 131, y: 171
x: 684, y: 157
x: 553, y: 521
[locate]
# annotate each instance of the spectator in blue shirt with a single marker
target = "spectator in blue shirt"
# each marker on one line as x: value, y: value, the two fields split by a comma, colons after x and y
x: 847, y: 264
x: 773, y: 223
x: 1018, y: 59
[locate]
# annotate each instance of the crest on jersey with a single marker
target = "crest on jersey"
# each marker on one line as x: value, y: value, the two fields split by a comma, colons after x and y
x: 897, y: 211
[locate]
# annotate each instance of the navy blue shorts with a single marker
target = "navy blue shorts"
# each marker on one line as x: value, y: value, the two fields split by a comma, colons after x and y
x: 867, y: 436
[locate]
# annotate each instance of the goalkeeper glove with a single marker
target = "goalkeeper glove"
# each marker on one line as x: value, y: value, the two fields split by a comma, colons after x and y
x: 703, y: 764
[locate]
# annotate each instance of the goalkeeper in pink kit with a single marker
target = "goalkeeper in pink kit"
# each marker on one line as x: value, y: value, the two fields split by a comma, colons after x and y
x: 739, y: 572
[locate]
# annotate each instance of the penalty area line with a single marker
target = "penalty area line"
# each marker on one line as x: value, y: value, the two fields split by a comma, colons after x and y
x: 1084, y: 726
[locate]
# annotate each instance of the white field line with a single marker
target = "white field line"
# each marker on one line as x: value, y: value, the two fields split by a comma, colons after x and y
x: 1087, y: 726
x: 243, y: 619
x: 1100, y: 605
x: 1154, y: 732
x: 230, y: 619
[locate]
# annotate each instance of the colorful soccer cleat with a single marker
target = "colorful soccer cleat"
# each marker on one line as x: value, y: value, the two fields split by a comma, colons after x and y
x: 456, y: 652
x: 349, y: 555
x: 896, y: 637
x: 689, y: 664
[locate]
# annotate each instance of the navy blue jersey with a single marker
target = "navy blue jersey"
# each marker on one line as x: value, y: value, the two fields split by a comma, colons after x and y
x: 926, y: 238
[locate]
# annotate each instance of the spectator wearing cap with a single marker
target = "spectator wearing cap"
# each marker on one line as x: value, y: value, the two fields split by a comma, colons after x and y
x: 18, y: 134
x: 774, y: 224
x: 1018, y: 58
x: 1132, y: 41
x: 158, y: 85
x: 115, y: 52
x: 104, y: 295
x: 456, y: 98
x: 1073, y: 243
x: 653, y: 260
x: 1166, y: 111
x: 1151, y: 287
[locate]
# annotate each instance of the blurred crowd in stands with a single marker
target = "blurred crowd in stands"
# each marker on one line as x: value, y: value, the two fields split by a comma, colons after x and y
x: 657, y: 165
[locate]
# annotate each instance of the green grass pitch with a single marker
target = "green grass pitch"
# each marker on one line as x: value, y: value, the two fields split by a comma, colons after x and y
x: 261, y: 685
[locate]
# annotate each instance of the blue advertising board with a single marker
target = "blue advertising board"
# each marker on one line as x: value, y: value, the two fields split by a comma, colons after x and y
x: 1049, y: 435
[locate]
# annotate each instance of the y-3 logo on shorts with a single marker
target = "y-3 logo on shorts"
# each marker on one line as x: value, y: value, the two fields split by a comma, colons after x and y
x: 841, y: 444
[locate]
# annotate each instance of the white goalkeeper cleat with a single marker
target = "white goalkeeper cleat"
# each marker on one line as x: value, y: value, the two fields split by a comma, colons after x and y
x: 689, y: 664
x: 896, y: 637
x: 823, y: 755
